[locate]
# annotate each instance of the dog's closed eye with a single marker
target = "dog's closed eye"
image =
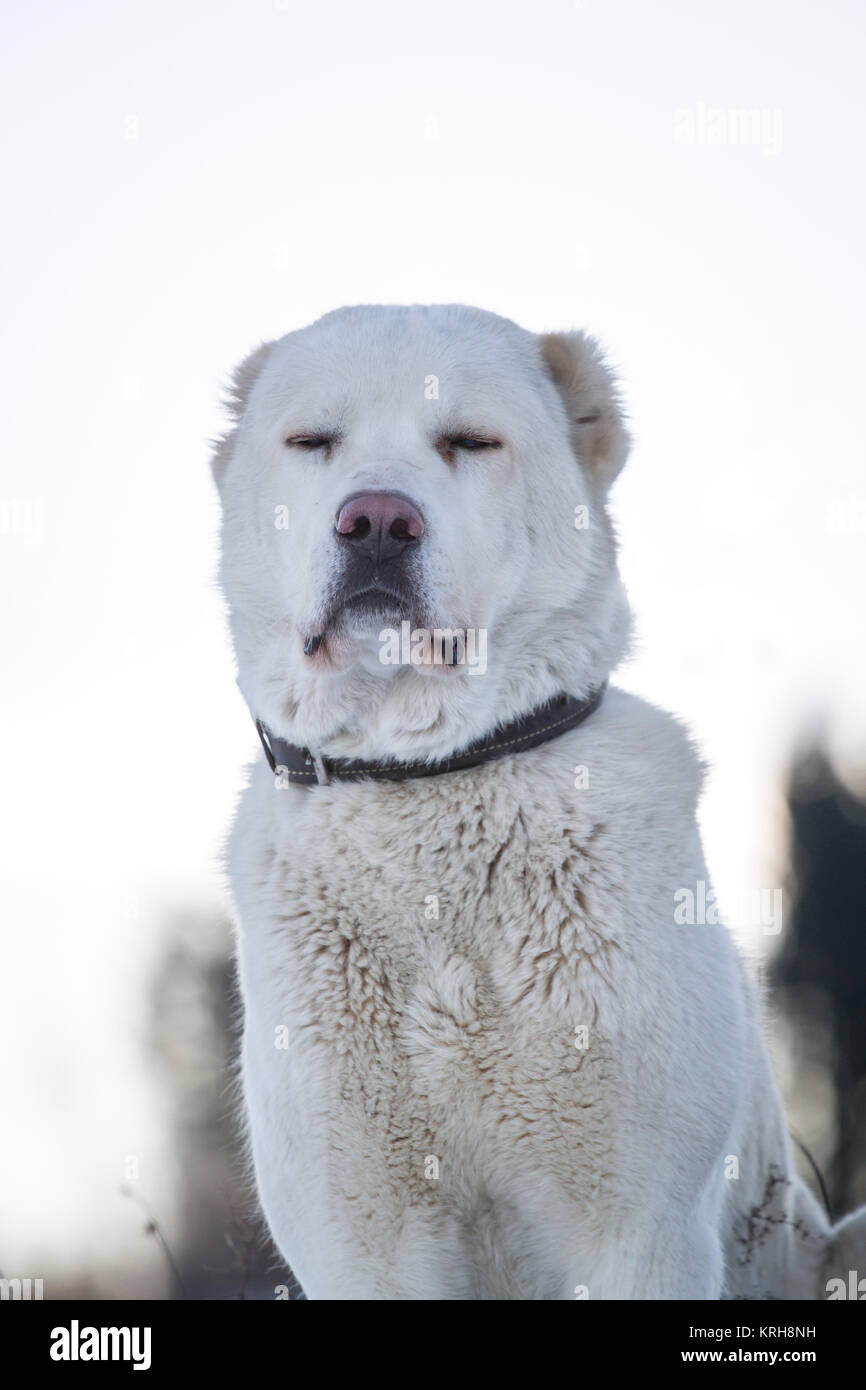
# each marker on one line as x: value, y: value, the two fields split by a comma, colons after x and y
x: 470, y: 442
x: 311, y: 442
x: 449, y: 445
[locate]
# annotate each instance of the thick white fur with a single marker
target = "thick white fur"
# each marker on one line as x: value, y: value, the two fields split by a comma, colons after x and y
x: 438, y: 1125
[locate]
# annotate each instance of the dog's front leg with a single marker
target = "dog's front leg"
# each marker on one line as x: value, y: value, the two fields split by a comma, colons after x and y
x: 679, y: 1260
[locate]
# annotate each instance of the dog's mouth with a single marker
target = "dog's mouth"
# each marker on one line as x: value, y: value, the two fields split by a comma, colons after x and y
x: 374, y: 600
x: 361, y: 612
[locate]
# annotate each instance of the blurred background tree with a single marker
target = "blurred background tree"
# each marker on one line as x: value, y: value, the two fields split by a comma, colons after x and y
x: 819, y: 975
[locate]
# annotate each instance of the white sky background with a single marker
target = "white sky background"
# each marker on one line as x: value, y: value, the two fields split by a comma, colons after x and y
x: 289, y: 158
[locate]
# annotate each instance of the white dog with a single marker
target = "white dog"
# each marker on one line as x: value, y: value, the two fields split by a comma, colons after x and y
x: 480, y: 1059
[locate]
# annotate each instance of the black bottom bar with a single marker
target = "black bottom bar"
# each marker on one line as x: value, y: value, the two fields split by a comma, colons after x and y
x: 171, y: 1339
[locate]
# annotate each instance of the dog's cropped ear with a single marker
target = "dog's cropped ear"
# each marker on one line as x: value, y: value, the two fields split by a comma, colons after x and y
x: 589, y: 392
x: 243, y: 380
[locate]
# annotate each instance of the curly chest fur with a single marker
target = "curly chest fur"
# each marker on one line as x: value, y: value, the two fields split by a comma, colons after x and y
x: 446, y: 968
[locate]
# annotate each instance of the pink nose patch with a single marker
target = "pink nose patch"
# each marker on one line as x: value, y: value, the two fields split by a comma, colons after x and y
x: 380, y: 514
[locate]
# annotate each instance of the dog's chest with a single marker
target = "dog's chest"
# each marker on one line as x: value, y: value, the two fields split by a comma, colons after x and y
x: 425, y: 970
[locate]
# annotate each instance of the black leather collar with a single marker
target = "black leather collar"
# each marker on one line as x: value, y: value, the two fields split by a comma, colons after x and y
x: 545, y: 722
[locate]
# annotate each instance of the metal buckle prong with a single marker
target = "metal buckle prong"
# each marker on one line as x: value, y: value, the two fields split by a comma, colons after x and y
x: 269, y: 752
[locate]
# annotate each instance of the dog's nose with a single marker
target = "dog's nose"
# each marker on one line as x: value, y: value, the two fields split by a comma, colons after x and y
x: 379, y: 525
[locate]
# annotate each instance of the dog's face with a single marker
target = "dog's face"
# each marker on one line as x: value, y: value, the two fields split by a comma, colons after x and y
x: 415, y: 470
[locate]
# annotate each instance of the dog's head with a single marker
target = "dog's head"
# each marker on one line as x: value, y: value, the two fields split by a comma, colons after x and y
x: 394, y: 472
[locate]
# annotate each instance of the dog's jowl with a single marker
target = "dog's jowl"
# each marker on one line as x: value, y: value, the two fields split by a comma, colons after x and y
x: 484, y: 1056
